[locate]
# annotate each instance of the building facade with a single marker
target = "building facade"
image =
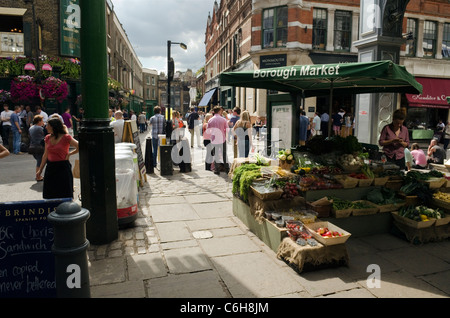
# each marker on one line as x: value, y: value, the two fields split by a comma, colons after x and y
x: 124, y: 65
x: 55, y: 35
x: 150, y: 86
x: 299, y: 32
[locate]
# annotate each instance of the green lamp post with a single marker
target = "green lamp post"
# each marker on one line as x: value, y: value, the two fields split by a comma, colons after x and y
x: 96, y: 137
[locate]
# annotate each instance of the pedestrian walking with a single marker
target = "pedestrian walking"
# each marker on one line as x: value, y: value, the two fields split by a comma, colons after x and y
x: 207, y: 142
x: 6, y: 124
x: 141, y: 120
x: 67, y: 119
x: 58, y: 177
x: 243, y: 131
x: 194, y: 126
x: 218, y: 125
x: 16, y: 130
x: 231, y: 122
x: 324, y: 120
x: 336, y: 119
x: 303, y: 128
x: 157, y: 122
x: 37, y: 143
x: 117, y: 126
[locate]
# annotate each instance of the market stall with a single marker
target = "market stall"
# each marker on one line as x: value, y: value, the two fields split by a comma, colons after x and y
x: 309, y: 202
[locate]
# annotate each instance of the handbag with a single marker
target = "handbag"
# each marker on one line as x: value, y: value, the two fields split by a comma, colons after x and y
x: 35, y: 149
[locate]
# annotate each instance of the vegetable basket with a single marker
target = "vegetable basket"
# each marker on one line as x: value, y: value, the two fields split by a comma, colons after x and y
x: 345, y: 213
x: 346, y: 181
x: 383, y: 208
x: 365, y: 182
x: 380, y: 181
x: 267, y: 196
x: 412, y: 223
x: 369, y: 208
x: 435, y: 183
x: 328, y: 240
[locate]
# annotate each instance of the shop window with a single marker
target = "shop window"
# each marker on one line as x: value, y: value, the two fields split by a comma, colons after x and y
x: 11, y: 35
x: 275, y: 27
x: 446, y: 41
x: 429, y: 39
x: 342, y: 30
x: 411, y: 42
x: 319, y: 29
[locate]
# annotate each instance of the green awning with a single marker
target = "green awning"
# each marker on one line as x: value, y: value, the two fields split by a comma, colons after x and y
x: 318, y: 80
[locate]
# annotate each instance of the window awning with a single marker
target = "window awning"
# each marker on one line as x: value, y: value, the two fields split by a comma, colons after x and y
x: 206, y: 98
x: 434, y: 94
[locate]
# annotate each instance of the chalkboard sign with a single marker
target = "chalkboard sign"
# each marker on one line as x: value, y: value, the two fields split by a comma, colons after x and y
x: 131, y: 134
x: 27, y: 265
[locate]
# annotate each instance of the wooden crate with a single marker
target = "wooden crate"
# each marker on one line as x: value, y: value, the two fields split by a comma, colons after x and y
x: 412, y: 223
x: 365, y: 211
x: 342, y: 213
x: 267, y: 196
x: 380, y: 181
x: 346, y: 181
x: 389, y: 207
x: 365, y: 182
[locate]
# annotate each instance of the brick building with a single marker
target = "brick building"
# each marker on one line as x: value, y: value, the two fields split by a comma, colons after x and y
x: 56, y: 40
x: 260, y: 33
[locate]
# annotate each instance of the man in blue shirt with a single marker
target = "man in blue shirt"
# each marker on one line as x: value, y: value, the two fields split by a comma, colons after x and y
x: 303, y: 130
x: 16, y: 130
x: 157, y: 123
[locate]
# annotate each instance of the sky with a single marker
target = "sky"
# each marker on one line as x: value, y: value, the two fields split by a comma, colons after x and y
x: 149, y: 24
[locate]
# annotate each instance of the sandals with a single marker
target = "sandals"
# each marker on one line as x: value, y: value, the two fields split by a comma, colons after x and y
x: 39, y: 180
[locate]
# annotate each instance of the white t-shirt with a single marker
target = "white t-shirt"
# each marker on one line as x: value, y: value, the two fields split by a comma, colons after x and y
x: 118, y: 130
x: 6, y: 115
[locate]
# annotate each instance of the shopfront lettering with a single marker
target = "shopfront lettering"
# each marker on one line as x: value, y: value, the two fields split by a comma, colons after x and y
x: 305, y: 70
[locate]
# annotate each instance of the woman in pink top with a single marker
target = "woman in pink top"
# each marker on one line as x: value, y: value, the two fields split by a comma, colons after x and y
x: 58, y: 178
x: 394, y: 138
x: 420, y: 159
x: 207, y: 142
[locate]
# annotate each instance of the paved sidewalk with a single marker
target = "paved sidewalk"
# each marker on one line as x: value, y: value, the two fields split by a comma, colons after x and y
x: 188, y: 244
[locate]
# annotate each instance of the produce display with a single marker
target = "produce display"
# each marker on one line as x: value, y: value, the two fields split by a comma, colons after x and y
x: 340, y: 163
x: 383, y: 196
x: 420, y: 213
x: 326, y: 233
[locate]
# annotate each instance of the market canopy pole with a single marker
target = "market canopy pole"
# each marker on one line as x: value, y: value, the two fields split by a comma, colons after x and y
x: 97, y: 163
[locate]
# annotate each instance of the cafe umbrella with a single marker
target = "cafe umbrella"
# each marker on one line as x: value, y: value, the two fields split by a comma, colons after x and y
x: 328, y: 79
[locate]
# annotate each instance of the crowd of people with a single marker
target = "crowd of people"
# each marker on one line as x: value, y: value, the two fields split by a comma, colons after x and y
x: 212, y: 131
x: 342, y: 122
x: 48, y: 138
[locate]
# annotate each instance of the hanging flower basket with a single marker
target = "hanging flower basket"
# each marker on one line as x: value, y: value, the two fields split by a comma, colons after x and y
x: 5, y: 96
x: 53, y: 87
x: 24, y: 89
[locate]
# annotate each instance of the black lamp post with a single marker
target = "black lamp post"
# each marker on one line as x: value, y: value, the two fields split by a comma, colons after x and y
x: 36, y: 35
x: 171, y: 71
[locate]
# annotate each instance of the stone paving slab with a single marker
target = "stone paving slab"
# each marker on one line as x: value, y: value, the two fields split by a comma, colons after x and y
x: 186, y: 260
x: 147, y: 266
x: 173, y: 231
x: 129, y: 289
x: 255, y: 275
x: 412, y: 259
x: 194, y: 285
x: 219, y: 246
x: 326, y: 281
x: 439, y: 280
x: 214, y: 210
x: 402, y: 284
x: 107, y: 271
x: 173, y: 212
x: 216, y: 223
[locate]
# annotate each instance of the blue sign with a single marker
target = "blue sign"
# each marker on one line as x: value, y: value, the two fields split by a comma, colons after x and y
x: 27, y: 265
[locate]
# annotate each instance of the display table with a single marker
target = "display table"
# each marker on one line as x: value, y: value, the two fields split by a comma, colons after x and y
x: 265, y: 230
x: 424, y: 235
x: 312, y: 257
